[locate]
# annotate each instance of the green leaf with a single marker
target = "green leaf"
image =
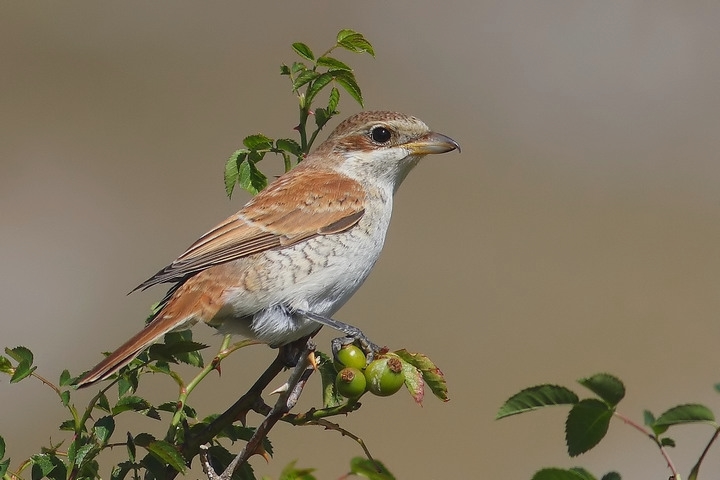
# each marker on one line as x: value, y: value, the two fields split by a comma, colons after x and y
x: 2, y: 447
x: 328, y: 372
x: 536, y: 397
x: 648, y: 417
x: 681, y: 414
x: 432, y: 375
x: 65, y: 379
x: 586, y: 424
x: 303, y: 50
x: 65, y: 398
x: 257, y: 142
x: 22, y: 371
x: 297, y: 67
x: 611, y: 476
x: 372, y: 470
x: 232, y: 167
x: 347, y: 81
x: 104, y: 428
x: 605, y: 386
x: 305, y: 77
x: 354, y: 41
x: 103, y: 403
x: 413, y: 381
x: 319, y: 83
x: 288, y: 145
x: 667, y: 442
x: 284, y: 69
x: 120, y: 471
x: 168, y: 454
x: 333, y: 64
x: 5, y: 365
x: 178, y: 351
x: 333, y: 100
x: 83, y: 452
x: 68, y: 425
x: 560, y: 474
x: 321, y: 117
x: 130, y: 446
x: 136, y: 404
x: 251, y: 178
x: 20, y: 354
x: 43, y: 462
x: 291, y: 472
x: 4, y: 467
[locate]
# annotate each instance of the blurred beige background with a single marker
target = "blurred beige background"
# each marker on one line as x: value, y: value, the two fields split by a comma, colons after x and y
x: 577, y: 232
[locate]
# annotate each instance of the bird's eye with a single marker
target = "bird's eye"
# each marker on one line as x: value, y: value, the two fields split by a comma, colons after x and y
x: 380, y: 134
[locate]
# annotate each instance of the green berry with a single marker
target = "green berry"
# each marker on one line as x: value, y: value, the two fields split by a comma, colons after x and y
x: 350, y: 356
x: 384, y: 376
x: 350, y: 382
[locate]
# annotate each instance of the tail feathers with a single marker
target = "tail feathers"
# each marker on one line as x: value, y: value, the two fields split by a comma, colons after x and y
x: 127, y: 352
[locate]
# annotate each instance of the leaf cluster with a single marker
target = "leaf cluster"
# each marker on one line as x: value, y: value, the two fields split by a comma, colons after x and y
x: 588, y: 421
x: 308, y: 77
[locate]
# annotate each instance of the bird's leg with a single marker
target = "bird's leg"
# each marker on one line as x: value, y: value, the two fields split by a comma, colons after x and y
x: 353, y: 334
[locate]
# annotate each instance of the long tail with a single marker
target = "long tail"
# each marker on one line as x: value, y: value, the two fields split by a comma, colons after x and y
x: 129, y: 350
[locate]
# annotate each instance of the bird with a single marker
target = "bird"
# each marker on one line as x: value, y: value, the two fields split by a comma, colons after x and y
x: 278, y: 269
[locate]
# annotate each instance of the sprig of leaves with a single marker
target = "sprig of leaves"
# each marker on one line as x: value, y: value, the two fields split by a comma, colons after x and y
x: 308, y: 77
x: 588, y: 421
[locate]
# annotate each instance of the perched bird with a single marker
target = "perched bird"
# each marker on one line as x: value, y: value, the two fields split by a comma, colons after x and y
x: 278, y: 269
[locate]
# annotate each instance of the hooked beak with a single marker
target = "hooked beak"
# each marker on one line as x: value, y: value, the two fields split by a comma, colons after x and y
x: 432, y: 143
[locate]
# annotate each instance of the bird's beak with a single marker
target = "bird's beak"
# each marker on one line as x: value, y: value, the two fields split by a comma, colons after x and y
x: 432, y: 143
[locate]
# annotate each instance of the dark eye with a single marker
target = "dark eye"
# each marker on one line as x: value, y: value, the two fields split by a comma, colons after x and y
x: 380, y: 134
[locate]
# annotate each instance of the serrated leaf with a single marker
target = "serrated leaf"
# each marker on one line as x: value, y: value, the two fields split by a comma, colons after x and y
x: 319, y: 83
x: 536, y: 397
x: 297, y: 67
x: 586, y: 424
x: 432, y: 375
x: 257, y: 142
x: 68, y: 425
x: 220, y: 458
x: 143, y: 439
x: 22, y: 371
x: 333, y: 100
x: 135, y: 404
x: 333, y: 63
x: 354, y: 41
x: 20, y: 354
x: 681, y: 414
x: 347, y: 81
x: 232, y: 171
x: 83, y: 452
x: 605, y: 386
x: 5, y: 365
x: 4, y: 467
x: 305, y: 77
x: 611, y: 476
x: 288, y: 145
x: 560, y: 474
x: 369, y: 469
x: 103, y: 429
x: 413, y: 381
x: 303, y: 50
x: 284, y: 69
x: 43, y: 462
x: 328, y: 372
x: 167, y: 453
x: 251, y: 178
x: 2, y: 447
x: 178, y: 351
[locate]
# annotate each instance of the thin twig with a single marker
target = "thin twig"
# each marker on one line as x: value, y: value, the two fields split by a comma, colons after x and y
x: 654, y: 438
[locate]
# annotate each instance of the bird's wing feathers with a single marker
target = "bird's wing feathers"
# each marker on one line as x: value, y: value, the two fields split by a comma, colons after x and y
x: 292, y: 209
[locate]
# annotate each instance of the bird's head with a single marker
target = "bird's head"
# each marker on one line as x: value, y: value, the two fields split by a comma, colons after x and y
x: 381, y: 146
